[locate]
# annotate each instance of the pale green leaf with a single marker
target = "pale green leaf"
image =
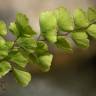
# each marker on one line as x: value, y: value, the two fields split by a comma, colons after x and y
x: 47, y: 21
x: 80, y: 18
x: 51, y: 36
x: 48, y: 26
x: 64, y: 44
x: 9, y: 44
x: 92, y: 14
x: 45, y: 62
x: 19, y: 59
x: 5, y: 49
x: 64, y: 19
x: 13, y: 28
x: 27, y: 43
x: 92, y: 30
x: 3, y: 28
x: 3, y: 53
x: 12, y: 53
x: 81, y: 39
x: 41, y: 47
x: 21, y: 26
x: 22, y: 20
x: 22, y: 77
x: 2, y: 42
x: 28, y: 31
x: 5, y: 67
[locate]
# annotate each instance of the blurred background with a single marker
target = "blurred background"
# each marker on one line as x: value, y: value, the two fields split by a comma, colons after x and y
x: 71, y: 74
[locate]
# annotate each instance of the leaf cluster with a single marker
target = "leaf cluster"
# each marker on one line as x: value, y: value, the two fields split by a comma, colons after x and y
x: 55, y: 27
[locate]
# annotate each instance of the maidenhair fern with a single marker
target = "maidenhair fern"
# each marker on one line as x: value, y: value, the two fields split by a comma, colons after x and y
x: 54, y: 27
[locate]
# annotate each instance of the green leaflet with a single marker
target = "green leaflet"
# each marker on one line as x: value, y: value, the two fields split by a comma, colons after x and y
x: 19, y: 59
x: 92, y: 30
x: 48, y: 26
x: 13, y: 28
x: 27, y: 43
x: 3, y: 28
x: 21, y: 26
x: 22, y: 23
x: 47, y: 21
x: 91, y: 14
x: 41, y: 48
x: 63, y: 44
x: 9, y: 44
x: 22, y: 20
x: 5, y: 49
x: 2, y: 42
x: 81, y: 39
x: 28, y: 31
x: 64, y: 19
x: 12, y: 53
x: 5, y: 67
x: 22, y: 77
x: 80, y: 18
x: 45, y: 62
x: 51, y: 36
x: 3, y: 53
